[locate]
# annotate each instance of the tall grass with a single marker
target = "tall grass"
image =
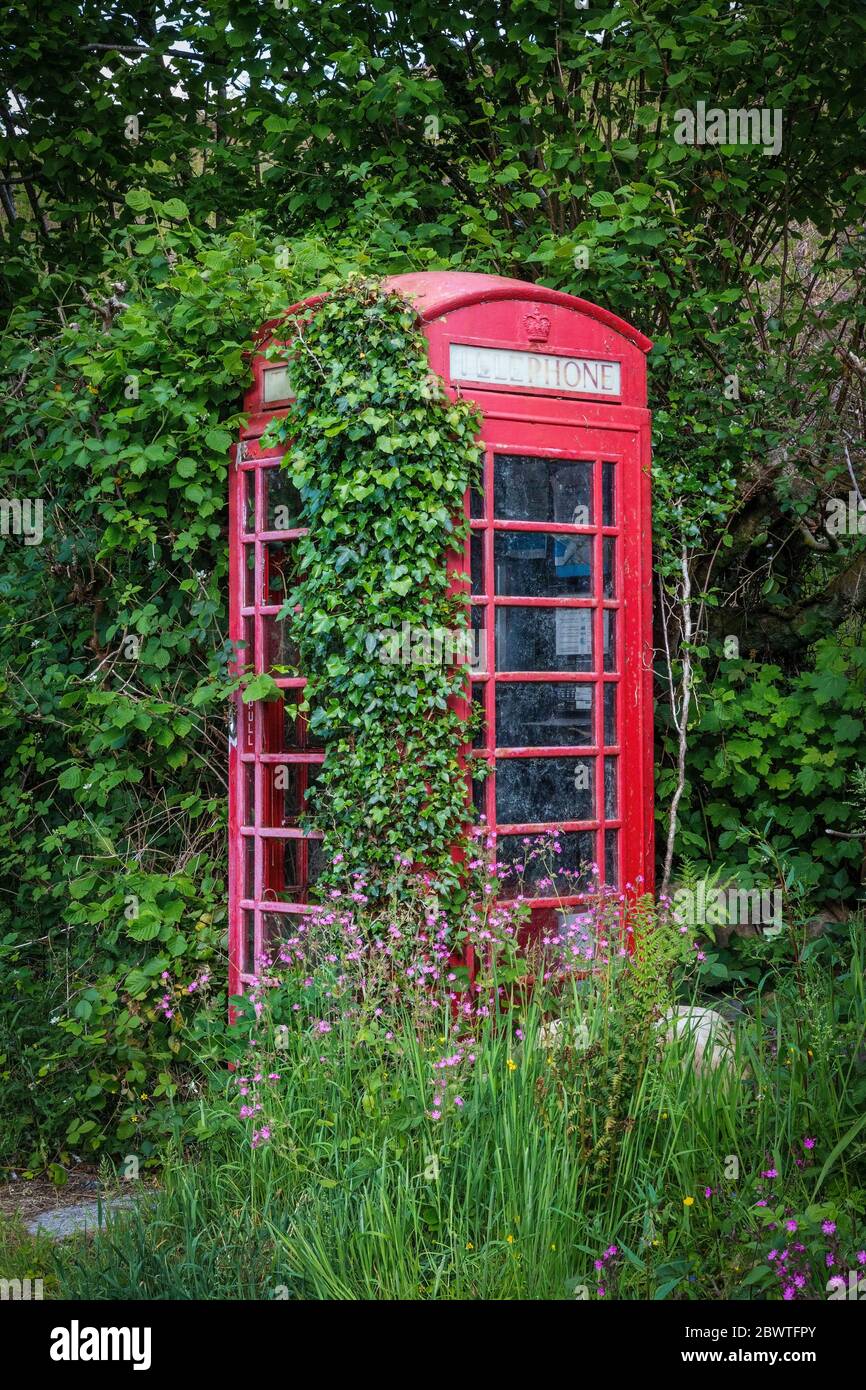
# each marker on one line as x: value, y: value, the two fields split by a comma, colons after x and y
x: 590, y: 1162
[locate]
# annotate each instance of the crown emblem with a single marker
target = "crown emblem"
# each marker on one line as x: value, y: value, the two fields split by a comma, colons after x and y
x: 537, y: 325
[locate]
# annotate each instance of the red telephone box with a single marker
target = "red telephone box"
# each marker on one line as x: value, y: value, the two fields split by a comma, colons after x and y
x: 559, y: 556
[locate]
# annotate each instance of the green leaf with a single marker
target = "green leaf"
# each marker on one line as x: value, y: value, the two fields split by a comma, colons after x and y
x: 174, y: 207
x: 139, y: 200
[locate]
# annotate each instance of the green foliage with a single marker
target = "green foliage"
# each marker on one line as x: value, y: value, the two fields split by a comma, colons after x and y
x: 23, y: 1256
x: 598, y: 1082
x: 114, y: 660
x: 383, y: 461
x: 772, y: 766
x: 525, y: 140
x: 360, y: 1191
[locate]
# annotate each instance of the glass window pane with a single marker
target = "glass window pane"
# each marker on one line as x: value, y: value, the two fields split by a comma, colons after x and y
x: 608, y: 476
x: 528, y: 488
x: 576, y: 932
x: 610, y: 734
x: 479, y: 639
x: 282, y: 501
x: 542, y: 791
x: 316, y: 861
x: 248, y: 939
x: 312, y: 773
x: 543, y: 714
x: 279, y: 574
x: 276, y: 926
x: 247, y: 649
x: 249, y: 852
x: 608, y: 566
x: 610, y: 639
x: 279, y: 726
x: 249, y: 576
x: 476, y: 549
x: 543, y: 639
x: 476, y: 504
x: 248, y: 494
x: 542, y: 564
x: 280, y: 929
x: 282, y: 803
x: 282, y: 879
x: 611, y: 858
x: 249, y: 808
x: 309, y: 739
x: 479, y: 795
x: 479, y: 737
x: 540, y: 870
x: 280, y: 650
x: 611, y: 800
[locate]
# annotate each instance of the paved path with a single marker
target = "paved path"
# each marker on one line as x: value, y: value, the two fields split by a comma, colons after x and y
x: 83, y: 1217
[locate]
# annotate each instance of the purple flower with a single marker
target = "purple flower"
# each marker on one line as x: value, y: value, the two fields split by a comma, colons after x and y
x: 828, y: 1227
x: 808, y: 1143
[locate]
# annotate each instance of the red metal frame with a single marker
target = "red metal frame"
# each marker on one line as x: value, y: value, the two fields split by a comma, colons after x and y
x: 487, y: 311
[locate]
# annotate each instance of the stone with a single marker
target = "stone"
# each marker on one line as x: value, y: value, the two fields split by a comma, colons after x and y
x: 81, y: 1219
x: 711, y: 1035
x: 552, y: 1035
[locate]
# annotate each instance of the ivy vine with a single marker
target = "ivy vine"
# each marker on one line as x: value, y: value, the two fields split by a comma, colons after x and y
x: 382, y: 460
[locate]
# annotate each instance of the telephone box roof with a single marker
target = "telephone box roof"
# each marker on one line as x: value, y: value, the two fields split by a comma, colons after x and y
x: 438, y: 292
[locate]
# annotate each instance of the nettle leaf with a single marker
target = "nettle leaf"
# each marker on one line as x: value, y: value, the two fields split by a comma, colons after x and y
x: 144, y: 928
x: 82, y: 887
x: 174, y: 207
x: 219, y: 441
x: 261, y: 687
x: 139, y: 199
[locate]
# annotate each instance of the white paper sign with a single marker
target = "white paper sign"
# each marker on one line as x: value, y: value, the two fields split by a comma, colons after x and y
x: 276, y: 385
x: 543, y: 371
x: 573, y: 632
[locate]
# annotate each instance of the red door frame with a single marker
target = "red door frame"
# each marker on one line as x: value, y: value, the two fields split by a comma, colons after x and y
x: 488, y: 312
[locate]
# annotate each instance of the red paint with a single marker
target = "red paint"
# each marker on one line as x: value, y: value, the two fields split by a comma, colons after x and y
x: 490, y: 312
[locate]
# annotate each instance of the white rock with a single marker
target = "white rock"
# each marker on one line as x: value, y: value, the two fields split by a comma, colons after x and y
x: 552, y: 1035
x: 710, y: 1034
